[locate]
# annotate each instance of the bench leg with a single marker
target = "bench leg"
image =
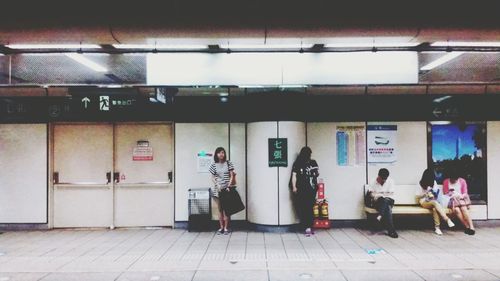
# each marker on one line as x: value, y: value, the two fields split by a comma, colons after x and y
x: 372, y: 222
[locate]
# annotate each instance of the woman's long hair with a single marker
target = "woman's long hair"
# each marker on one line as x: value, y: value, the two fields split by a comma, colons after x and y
x: 428, y: 178
x: 216, y: 158
x: 303, y: 157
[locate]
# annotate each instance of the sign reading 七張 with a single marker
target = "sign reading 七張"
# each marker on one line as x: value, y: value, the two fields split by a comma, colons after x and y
x: 278, y: 152
x: 381, y: 143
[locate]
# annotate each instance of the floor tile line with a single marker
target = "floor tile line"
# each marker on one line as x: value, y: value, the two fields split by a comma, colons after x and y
x: 303, y: 247
x: 84, y: 253
x: 62, y: 241
x: 133, y: 246
x: 83, y: 243
x: 145, y: 251
x: 124, y: 240
x: 172, y: 244
x: 381, y: 246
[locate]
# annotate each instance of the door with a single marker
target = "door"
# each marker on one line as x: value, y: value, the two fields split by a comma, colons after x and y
x: 144, y: 193
x: 83, y: 163
x: 108, y: 175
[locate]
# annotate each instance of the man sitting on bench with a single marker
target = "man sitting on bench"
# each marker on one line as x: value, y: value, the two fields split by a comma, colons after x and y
x: 382, y: 190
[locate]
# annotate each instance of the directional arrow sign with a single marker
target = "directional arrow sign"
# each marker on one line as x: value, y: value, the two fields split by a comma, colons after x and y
x: 86, y: 101
x: 437, y: 112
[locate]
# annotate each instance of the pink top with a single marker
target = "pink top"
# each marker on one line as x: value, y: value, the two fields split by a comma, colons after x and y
x: 461, y: 181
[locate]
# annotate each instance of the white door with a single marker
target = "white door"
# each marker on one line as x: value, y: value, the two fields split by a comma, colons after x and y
x: 144, y: 194
x: 113, y: 175
x: 83, y: 164
x: 23, y: 173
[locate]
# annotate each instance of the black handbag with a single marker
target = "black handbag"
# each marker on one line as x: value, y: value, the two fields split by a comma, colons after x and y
x: 231, y: 201
x: 369, y: 202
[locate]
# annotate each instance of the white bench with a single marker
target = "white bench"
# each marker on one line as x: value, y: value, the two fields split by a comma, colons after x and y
x: 405, y: 202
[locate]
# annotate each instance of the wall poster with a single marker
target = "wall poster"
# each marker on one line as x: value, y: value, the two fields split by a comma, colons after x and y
x: 382, y: 143
x: 204, y: 160
x: 350, y: 145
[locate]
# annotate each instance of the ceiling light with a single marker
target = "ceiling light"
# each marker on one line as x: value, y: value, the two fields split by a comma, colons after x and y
x: 53, y: 46
x: 292, y: 86
x: 442, y: 60
x: 465, y: 44
x: 440, y: 99
x: 159, y: 47
x: 111, y: 86
x: 441, y: 122
x: 251, y: 86
x: 265, y: 46
x: 88, y: 63
x: 372, y: 44
x: 282, y: 68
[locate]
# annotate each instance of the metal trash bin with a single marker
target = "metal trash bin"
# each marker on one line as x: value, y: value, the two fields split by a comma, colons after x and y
x: 200, y: 209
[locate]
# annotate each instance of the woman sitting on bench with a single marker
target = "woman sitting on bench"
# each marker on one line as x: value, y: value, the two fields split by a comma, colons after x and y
x: 427, y: 194
x: 456, y: 188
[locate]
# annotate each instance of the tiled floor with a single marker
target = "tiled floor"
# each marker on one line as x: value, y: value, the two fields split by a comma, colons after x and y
x: 166, y: 254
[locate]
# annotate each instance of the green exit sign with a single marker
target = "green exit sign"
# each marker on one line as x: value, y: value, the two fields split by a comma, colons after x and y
x: 278, y: 152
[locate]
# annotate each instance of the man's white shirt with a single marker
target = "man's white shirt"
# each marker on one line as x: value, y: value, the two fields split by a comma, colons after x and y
x: 386, y: 190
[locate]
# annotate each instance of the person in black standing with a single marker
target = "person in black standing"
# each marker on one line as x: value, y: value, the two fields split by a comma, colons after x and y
x: 305, y: 172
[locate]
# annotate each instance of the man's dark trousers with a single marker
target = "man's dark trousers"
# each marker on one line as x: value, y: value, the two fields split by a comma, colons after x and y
x: 384, y: 208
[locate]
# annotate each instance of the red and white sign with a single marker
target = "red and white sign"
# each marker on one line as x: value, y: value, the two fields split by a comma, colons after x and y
x: 142, y: 152
x: 321, y: 191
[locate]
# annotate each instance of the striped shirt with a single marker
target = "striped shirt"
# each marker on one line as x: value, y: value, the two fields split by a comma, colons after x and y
x: 221, y: 172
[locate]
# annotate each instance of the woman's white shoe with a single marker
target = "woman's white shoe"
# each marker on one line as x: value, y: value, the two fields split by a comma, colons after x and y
x: 438, y: 231
x: 450, y: 223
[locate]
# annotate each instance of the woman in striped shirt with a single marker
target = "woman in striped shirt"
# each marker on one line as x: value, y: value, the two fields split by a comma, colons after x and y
x: 222, y: 171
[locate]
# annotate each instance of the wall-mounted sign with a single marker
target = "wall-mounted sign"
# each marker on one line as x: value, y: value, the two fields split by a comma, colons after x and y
x: 104, y: 103
x: 204, y: 161
x: 350, y: 145
x: 278, y: 152
x: 381, y: 142
x: 142, y: 151
x: 85, y: 102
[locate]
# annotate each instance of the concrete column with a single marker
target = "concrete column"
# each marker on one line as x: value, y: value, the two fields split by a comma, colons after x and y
x: 269, y: 200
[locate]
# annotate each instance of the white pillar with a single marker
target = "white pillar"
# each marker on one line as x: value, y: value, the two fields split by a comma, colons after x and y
x: 269, y: 201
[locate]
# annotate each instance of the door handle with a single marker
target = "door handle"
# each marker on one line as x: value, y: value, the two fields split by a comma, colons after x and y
x: 170, y: 177
x: 116, y: 177
x: 55, y: 177
x: 108, y: 177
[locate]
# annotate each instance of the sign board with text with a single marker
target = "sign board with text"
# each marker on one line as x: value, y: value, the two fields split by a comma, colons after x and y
x: 278, y: 152
x: 142, y: 151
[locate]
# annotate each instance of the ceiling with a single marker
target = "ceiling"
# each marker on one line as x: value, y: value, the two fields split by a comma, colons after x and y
x: 130, y: 69
x: 109, y: 22
x: 219, y: 22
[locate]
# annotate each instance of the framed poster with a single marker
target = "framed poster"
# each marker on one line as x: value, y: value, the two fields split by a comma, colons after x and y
x: 350, y: 145
x: 462, y: 148
x: 382, y: 143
